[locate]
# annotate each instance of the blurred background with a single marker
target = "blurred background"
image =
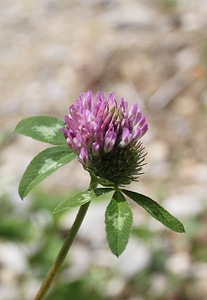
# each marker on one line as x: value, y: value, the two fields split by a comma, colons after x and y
x: 153, y: 52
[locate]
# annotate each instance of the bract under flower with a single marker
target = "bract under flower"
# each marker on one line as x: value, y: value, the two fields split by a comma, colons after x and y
x: 105, y: 136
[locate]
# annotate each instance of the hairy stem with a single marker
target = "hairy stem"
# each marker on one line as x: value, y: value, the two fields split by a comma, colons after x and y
x: 65, y: 248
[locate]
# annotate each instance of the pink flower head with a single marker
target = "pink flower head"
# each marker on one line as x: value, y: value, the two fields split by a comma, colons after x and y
x: 105, y: 136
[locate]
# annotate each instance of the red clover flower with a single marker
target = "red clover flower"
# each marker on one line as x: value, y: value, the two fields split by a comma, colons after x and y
x: 105, y: 135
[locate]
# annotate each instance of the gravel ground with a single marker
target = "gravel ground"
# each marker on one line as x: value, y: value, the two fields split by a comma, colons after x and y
x: 150, y: 52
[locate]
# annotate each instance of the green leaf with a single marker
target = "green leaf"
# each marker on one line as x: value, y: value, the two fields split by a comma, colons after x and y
x: 81, y: 198
x: 156, y: 210
x: 42, y: 165
x: 118, y: 220
x: 42, y: 128
x: 102, y: 191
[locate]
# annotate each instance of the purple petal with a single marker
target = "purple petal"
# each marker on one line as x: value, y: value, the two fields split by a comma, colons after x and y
x: 142, y: 121
x: 110, y: 140
x: 95, y: 147
x: 144, y: 129
x: 123, y: 107
x: 136, y: 134
x: 100, y: 96
x: 112, y: 100
x: 125, y: 138
x: 83, y: 156
x: 133, y: 111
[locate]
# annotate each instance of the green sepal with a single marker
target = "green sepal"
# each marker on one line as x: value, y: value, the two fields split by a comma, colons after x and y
x: 118, y: 221
x: 81, y: 198
x: 42, y: 128
x: 156, y: 210
x: 43, y: 165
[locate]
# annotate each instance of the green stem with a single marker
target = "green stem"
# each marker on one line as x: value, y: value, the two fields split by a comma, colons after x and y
x: 65, y: 248
x: 63, y: 252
